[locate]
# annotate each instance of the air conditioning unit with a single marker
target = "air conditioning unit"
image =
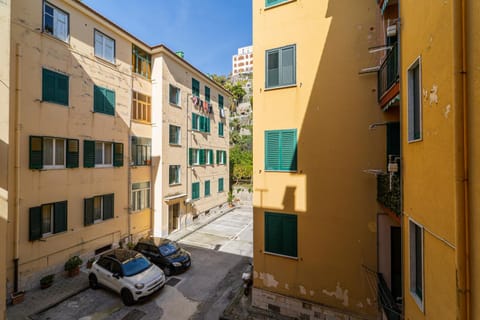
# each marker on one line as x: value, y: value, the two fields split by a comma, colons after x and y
x: 392, y: 30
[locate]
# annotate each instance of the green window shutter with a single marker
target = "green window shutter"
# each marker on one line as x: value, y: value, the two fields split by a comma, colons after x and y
x: 35, y: 221
x: 220, y: 129
x: 48, y: 85
x: 195, y: 190
x: 225, y: 157
x: 88, y: 154
x: 190, y: 156
x: 207, y: 125
x: 202, y: 124
x: 110, y: 102
x: 269, y: 3
x: 207, y: 188
x: 220, y: 101
x: 72, y: 153
x: 281, y: 234
x: 220, y: 185
x: 218, y: 156
x: 212, y: 159
x: 36, y: 152
x: 61, y: 89
x: 60, y: 217
x: 195, y: 87
x: 88, y: 211
x: 98, y: 100
x: 201, y: 155
x: 108, y: 201
x: 194, y: 121
x: 272, y: 150
x: 118, y: 154
x: 207, y: 94
x: 288, y: 156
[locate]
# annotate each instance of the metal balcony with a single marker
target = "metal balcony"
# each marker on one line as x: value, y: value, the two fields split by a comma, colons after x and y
x: 388, y: 192
x: 388, y: 72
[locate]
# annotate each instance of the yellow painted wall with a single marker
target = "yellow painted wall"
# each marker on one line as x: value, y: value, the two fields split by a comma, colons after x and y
x: 332, y: 107
x: 429, y: 165
x: 5, y: 144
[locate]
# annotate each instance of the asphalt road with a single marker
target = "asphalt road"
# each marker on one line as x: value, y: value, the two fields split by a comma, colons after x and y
x: 219, y: 252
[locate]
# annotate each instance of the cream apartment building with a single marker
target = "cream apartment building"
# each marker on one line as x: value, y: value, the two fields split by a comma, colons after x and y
x: 93, y: 158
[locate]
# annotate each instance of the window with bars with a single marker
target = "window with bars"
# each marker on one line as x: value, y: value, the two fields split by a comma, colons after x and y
x: 55, y: 22
x: 174, y: 174
x: 141, y: 62
x: 98, y: 208
x: 280, y: 67
x: 140, y: 196
x: 53, y: 153
x: 141, y: 151
x: 47, y: 219
x: 104, y: 46
x: 102, y: 154
x: 141, y: 107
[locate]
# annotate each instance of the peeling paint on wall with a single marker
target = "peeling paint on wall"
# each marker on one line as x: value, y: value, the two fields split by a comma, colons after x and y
x: 303, y: 290
x: 433, y: 97
x: 312, y: 293
x: 268, y: 280
x: 369, y: 302
x: 447, y: 111
x: 286, y: 286
x: 339, y: 293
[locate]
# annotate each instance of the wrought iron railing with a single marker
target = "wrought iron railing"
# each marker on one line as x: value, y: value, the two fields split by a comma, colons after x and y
x: 388, y: 191
x: 388, y: 72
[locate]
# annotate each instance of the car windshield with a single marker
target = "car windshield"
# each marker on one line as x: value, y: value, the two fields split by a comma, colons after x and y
x: 167, y: 249
x: 136, y: 265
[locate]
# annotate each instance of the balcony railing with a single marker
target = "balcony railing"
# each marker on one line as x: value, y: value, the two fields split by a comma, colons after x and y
x: 388, y: 191
x: 388, y: 72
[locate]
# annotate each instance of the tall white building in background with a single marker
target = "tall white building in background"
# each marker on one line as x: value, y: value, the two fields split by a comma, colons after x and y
x: 242, y: 62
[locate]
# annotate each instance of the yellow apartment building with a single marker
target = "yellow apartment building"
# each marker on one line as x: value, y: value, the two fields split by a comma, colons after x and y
x: 440, y: 121
x: 315, y: 209
x: 102, y: 128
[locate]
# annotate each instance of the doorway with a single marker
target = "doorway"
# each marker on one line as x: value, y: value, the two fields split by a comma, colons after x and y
x: 173, y: 217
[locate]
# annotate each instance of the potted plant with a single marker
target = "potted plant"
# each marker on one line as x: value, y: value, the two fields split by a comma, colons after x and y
x: 230, y: 198
x: 72, y: 266
x: 17, y: 297
x: 46, y: 281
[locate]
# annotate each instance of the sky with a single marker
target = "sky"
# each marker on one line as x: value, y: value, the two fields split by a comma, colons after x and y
x: 209, y: 32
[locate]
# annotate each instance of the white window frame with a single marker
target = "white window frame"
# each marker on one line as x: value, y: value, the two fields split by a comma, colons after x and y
x: 178, y: 172
x: 412, y: 268
x: 142, y: 192
x: 103, y: 164
x: 196, y: 157
x: 57, y: 16
x: 222, y: 154
x: 101, y: 52
x: 54, y: 146
x: 52, y: 217
x: 178, y: 95
x: 411, y: 103
x: 209, y: 160
x: 178, y: 134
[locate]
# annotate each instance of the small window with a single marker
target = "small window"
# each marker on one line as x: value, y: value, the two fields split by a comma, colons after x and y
x: 53, y: 153
x: 280, y: 67
x: 140, y: 196
x: 220, y: 101
x: 174, y: 174
x: 141, y: 62
x: 207, y: 188
x: 207, y: 94
x: 99, y: 208
x: 200, y: 123
x: 174, y: 95
x: 209, y: 156
x: 103, y: 100
x: 102, y: 154
x: 104, y: 46
x: 281, y: 234
x: 141, y: 151
x: 194, y: 156
x: 221, y: 157
x: 220, y: 129
x: 269, y: 3
x: 220, y: 185
x: 47, y: 219
x: 195, y: 87
x: 54, y: 87
x: 414, y: 103
x: 141, y: 107
x: 281, y: 150
x: 55, y: 22
x: 195, y: 190
x: 174, y: 134
x: 416, y: 262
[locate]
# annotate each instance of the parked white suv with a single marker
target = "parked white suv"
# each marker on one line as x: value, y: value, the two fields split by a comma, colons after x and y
x: 127, y: 272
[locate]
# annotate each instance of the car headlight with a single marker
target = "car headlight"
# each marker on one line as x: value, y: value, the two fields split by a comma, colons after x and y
x: 177, y: 264
x: 139, y: 285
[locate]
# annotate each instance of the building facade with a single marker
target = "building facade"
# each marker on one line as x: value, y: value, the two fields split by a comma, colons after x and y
x: 90, y: 109
x: 315, y: 213
x: 242, y: 62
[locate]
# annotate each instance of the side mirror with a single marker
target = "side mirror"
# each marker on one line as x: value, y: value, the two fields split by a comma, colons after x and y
x: 116, y: 275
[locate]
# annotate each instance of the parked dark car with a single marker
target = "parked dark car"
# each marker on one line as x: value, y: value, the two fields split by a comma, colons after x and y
x: 164, y: 253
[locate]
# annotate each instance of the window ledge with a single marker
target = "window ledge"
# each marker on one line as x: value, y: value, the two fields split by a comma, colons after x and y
x: 280, y: 255
x: 175, y: 184
x: 51, y: 36
x: 175, y: 144
x: 279, y: 4
x: 55, y: 102
x: 104, y: 166
x: 280, y: 87
x: 416, y: 140
x: 175, y: 105
x: 283, y: 171
x: 142, y: 121
x: 106, y: 62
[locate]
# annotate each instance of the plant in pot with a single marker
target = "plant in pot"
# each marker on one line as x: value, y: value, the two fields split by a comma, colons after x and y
x: 230, y: 198
x: 46, y: 281
x: 72, y: 266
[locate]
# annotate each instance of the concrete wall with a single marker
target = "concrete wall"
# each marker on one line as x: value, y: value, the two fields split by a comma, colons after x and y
x: 5, y: 11
x: 331, y: 107
x: 431, y: 166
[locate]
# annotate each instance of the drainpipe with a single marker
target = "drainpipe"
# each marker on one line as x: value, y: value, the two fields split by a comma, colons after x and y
x: 129, y: 168
x: 16, y: 254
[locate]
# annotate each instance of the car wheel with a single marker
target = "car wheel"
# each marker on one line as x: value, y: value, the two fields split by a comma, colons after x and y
x: 92, y: 280
x: 127, y: 297
x: 167, y: 271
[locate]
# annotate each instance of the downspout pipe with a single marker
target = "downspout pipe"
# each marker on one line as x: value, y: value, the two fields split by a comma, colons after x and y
x: 16, y: 253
